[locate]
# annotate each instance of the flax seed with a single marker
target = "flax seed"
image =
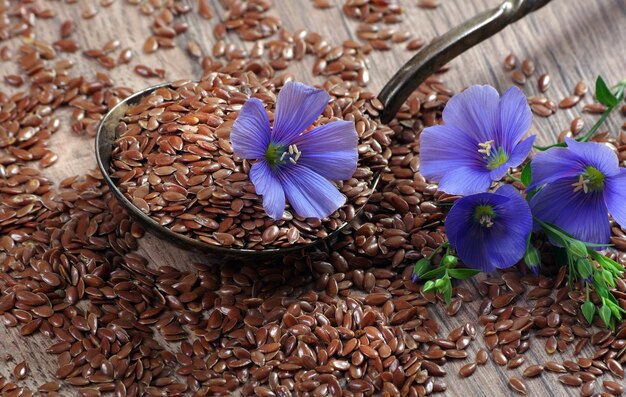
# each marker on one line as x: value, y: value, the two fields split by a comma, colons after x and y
x: 518, y: 385
x: 543, y: 82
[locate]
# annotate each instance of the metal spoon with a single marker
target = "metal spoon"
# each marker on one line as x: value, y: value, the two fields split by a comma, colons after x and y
x: 393, y: 95
x: 448, y: 46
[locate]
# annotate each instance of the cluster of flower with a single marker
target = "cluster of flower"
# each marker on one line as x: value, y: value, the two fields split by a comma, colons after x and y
x: 572, y: 188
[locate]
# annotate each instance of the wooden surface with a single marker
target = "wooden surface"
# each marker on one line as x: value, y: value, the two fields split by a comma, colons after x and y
x: 571, y: 39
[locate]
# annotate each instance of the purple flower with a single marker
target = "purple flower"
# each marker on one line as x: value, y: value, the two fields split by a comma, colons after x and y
x: 479, y: 142
x: 489, y: 230
x: 581, y: 184
x: 292, y: 161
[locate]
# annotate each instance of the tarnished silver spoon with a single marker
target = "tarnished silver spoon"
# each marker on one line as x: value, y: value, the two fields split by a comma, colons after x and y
x: 393, y: 95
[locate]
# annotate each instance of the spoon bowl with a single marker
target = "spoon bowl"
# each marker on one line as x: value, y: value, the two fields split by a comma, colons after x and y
x: 392, y: 96
x: 105, y: 137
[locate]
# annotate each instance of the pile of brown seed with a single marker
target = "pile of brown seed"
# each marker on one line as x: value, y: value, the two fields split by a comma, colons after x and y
x: 174, y: 160
x: 343, y: 319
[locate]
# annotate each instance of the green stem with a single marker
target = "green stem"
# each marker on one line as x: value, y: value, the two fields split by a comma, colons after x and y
x: 438, y: 249
x: 596, y: 126
x: 514, y: 178
x: 619, y: 94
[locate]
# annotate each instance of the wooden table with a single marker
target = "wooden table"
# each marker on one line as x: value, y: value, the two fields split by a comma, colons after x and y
x: 571, y: 39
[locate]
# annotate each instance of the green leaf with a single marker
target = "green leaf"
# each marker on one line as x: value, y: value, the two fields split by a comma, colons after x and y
x: 615, y: 309
x: 449, y: 261
x: 429, y: 286
x: 555, y: 234
x: 588, y: 309
x: 526, y: 176
x: 604, y: 94
x: 434, y: 273
x: 607, y: 263
x: 605, y: 315
x: 462, y: 274
x: 421, y: 267
x: 600, y: 287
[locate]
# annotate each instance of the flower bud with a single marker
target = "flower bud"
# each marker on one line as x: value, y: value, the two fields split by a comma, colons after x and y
x: 449, y: 261
x: 421, y: 267
x: 577, y: 248
x: 532, y: 259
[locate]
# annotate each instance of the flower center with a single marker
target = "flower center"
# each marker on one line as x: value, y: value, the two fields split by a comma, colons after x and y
x: 592, y: 179
x: 494, y: 157
x: 277, y: 155
x: 484, y: 215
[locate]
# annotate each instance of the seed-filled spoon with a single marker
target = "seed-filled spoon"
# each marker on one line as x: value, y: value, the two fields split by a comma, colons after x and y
x: 393, y: 95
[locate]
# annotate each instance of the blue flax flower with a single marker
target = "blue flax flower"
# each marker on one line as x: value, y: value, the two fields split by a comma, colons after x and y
x: 489, y: 230
x: 582, y: 183
x: 292, y: 161
x: 481, y: 138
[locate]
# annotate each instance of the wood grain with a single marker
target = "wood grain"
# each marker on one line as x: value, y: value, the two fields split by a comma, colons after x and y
x: 572, y: 40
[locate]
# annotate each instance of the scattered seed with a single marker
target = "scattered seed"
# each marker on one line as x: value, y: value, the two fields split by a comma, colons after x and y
x: 518, y: 385
x: 613, y: 388
x: 533, y: 371
x: 467, y: 370
x: 543, y: 82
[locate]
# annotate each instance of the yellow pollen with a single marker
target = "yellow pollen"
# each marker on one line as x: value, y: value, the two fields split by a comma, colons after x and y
x: 581, y: 184
x: 485, y: 148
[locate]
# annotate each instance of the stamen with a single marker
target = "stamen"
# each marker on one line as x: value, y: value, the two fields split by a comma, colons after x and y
x: 485, y: 221
x: 484, y: 215
x: 486, y: 148
x: 292, y: 154
x: 581, y: 184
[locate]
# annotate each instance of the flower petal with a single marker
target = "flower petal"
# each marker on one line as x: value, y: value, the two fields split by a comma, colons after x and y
x: 515, y: 118
x: 553, y: 164
x: 520, y: 153
x: 499, y: 246
x: 474, y: 111
x: 310, y: 194
x: 583, y: 215
x: 466, y: 180
x: 512, y: 225
x: 615, y: 196
x: 460, y: 219
x: 267, y: 185
x: 595, y: 154
x: 330, y: 150
x: 445, y: 150
x: 511, y: 192
x: 250, y: 134
x: 297, y: 107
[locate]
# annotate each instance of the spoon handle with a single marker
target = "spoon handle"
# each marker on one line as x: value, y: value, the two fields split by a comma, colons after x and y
x: 446, y: 47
